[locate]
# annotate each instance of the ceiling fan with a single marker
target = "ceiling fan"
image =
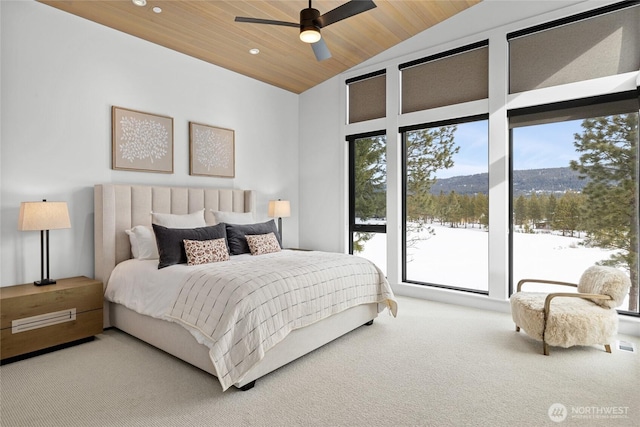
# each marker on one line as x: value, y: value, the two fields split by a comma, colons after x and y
x: 311, y: 22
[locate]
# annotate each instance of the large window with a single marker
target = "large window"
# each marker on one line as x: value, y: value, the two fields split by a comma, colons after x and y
x: 446, y: 208
x: 574, y: 201
x: 368, y: 197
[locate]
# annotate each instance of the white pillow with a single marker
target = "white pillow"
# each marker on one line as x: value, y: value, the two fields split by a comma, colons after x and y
x: 233, y: 217
x: 192, y: 220
x: 143, y: 242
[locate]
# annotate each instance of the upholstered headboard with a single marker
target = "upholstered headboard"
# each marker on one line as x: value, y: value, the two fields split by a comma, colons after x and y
x: 119, y: 207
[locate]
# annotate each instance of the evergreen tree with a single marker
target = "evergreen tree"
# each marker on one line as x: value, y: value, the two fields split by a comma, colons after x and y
x: 427, y: 151
x: 609, y: 150
x: 520, y: 210
x: 370, y: 184
x: 534, y: 209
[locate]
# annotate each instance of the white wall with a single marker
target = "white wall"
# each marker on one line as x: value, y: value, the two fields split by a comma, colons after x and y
x: 61, y: 74
x: 323, y: 185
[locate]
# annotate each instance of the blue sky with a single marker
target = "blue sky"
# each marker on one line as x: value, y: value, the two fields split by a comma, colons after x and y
x: 534, y: 147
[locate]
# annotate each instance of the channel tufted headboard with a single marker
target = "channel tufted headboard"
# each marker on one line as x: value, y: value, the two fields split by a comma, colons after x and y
x: 118, y: 207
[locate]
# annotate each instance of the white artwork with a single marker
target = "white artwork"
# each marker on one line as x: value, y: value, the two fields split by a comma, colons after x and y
x: 142, y: 141
x: 211, y: 151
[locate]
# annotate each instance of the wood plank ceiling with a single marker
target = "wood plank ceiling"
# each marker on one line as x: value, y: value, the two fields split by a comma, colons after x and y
x: 206, y: 30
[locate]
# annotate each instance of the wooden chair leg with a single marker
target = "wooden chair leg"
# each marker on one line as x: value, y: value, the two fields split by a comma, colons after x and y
x: 607, y: 347
x: 545, y: 348
x: 517, y: 328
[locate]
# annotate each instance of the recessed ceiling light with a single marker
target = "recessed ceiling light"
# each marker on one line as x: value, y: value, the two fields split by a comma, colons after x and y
x: 156, y: 9
x: 139, y: 2
x: 254, y: 51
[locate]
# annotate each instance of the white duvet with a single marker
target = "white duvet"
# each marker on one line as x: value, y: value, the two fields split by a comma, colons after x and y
x: 243, y: 307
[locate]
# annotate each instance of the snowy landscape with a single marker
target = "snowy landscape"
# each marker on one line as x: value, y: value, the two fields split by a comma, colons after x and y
x: 458, y: 257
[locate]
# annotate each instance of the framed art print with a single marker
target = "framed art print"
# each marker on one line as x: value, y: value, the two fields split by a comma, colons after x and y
x: 141, y: 141
x: 211, y: 151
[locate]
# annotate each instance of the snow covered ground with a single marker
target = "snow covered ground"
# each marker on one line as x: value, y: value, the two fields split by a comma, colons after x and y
x: 459, y: 257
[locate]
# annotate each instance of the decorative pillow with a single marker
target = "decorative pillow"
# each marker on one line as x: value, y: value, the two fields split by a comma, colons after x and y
x: 171, y: 245
x: 599, y: 279
x: 206, y: 251
x: 192, y: 220
x: 236, y: 235
x: 233, y: 217
x: 143, y: 242
x: 260, y: 244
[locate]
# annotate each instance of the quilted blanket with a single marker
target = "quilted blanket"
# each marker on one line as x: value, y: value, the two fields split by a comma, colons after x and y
x: 243, y: 309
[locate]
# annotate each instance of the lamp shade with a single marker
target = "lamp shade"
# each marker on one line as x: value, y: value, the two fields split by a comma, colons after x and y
x: 43, y: 216
x: 279, y: 209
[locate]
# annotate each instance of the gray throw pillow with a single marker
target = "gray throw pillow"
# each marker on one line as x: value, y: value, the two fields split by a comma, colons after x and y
x: 171, y: 241
x: 236, y: 235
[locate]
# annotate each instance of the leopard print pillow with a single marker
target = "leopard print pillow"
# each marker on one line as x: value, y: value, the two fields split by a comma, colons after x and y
x: 260, y: 244
x: 206, y: 251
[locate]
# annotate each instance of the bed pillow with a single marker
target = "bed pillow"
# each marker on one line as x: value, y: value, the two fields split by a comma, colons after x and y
x: 260, y: 244
x: 143, y: 242
x: 206, y: 251
x: 171, y: 241
x: 236, y: 235
x: 233, y: 217
x: 192, y: 220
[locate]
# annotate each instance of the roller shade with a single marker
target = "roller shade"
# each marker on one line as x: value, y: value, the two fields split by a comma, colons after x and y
x: 605, y: 44
x: 445, y: 79
x: 367, y: 97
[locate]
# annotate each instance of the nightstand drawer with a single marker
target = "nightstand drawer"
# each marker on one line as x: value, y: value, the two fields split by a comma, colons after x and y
x: 34, y: 318
x: 86, y: 324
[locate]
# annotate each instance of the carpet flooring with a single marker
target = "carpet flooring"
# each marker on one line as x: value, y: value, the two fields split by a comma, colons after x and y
x: 434, y: 365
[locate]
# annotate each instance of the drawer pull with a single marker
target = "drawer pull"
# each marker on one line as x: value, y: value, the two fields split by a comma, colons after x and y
x: 42, y: 320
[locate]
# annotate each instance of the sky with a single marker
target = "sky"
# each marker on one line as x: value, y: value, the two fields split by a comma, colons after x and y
x: 534, y: 147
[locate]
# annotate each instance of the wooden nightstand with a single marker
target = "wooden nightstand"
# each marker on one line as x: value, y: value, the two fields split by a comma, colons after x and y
x: 34, y: 318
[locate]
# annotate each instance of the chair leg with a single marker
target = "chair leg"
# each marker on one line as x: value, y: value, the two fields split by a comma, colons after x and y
x: 607, y: 347
x: 545, y: 348
x: 517, y: 328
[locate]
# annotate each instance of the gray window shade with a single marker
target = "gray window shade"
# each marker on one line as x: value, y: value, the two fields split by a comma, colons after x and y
x: 578, y: 112
x: 368, y: 99
x: 450, y: 80
x: 600, y: 46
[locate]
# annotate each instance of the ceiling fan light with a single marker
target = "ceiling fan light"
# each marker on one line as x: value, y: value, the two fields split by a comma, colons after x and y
x: 310, y: 35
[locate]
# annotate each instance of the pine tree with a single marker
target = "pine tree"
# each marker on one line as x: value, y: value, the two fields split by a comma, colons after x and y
x: 427, y: 151
x: 609, y: 147
x: 370, y: 184
x: 520, y: 210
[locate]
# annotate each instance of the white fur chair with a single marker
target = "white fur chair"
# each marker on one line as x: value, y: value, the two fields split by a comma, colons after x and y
x: 588, y: 317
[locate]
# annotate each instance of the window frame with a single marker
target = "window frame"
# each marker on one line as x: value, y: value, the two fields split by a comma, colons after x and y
x: 559, y: 107
x: 353, y: 226
x: 403, y: 131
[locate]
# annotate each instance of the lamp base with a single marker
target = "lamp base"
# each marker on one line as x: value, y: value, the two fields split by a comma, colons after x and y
x: 45, y: 282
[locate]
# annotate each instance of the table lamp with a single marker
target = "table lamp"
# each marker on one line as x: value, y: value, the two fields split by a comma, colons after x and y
x: 279, y: 209
x: 43, y: 216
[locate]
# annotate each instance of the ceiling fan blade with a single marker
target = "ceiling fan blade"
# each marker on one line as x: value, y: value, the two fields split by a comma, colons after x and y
x: 347, y: 10
x: 266, y: 21
x: 320, y: 50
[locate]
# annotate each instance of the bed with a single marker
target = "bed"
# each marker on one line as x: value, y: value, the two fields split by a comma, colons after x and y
x: 120, y: 207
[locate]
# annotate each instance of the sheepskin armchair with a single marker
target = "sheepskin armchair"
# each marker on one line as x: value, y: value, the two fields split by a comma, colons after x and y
x: 588, y: 317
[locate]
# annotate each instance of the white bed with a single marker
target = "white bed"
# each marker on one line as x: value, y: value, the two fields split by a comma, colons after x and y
x: 120, y: 207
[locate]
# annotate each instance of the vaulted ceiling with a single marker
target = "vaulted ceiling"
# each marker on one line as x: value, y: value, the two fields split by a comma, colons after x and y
x: 206, y: 30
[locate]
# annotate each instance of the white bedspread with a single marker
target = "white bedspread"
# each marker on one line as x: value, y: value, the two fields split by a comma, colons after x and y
x: 242, y: 308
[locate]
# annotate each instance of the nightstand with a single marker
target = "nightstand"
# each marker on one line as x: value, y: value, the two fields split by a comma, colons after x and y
x: 34, y: 318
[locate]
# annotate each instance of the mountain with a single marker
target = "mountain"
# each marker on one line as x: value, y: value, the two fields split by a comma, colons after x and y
x: 551, y: 180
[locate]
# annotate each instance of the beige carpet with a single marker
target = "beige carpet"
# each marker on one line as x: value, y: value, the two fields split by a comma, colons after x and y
x: 434, y: 365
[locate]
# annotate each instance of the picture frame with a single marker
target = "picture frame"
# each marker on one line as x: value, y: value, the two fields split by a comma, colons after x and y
x: 141, y: 141
x: 211, y: 151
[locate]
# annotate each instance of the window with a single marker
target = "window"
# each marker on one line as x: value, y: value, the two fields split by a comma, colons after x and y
x: 451, y: 77
x: 598, y: 43
x: 367, y: 97
x: 368, y: 197
x: 574, y: 192
x: 446, y: 209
